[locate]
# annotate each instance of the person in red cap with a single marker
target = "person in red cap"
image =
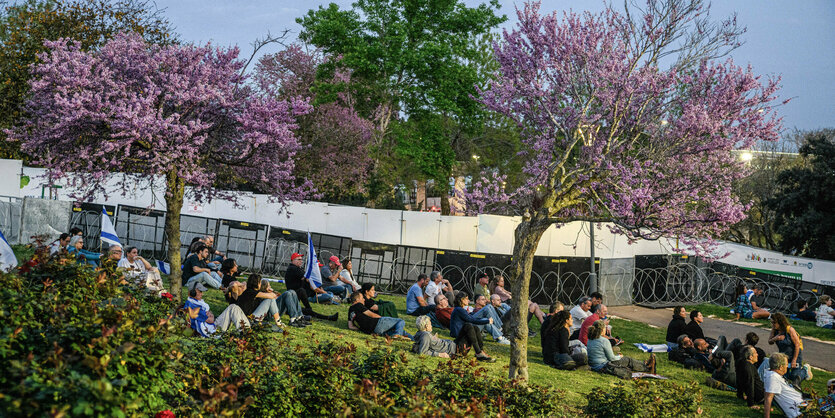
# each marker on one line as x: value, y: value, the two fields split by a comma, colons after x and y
x: 332, y: 279
x: 294, y: 280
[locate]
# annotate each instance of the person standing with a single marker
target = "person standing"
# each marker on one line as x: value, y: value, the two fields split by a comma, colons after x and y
x: 789, y: 343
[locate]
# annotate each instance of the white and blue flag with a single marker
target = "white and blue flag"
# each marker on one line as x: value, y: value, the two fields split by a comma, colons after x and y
x: 108, y: 232
x: 163, y: 267
x: 311, y: 272
x: 7, y: 258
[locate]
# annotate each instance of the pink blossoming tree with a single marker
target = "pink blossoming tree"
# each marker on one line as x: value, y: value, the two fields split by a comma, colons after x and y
x: 336, y: 157
x: 178, y: 116
x: 613, y: 135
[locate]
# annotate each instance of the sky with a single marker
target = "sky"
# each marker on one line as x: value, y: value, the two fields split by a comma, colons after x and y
x: 794, y: 40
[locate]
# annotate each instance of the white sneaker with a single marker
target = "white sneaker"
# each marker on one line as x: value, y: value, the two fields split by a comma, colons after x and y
x: 808, y: 371
x: 503, y: 341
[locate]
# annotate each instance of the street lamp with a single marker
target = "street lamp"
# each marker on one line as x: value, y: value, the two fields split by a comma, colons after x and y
x: 588, y: 140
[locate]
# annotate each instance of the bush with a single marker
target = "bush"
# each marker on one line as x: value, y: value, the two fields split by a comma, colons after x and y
x: 641, y: 398
x: 79, y: 341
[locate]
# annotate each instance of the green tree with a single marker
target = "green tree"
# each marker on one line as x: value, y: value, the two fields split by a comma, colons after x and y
x: 25, y: 26
x: 417, y: 63
x: 805, y: 204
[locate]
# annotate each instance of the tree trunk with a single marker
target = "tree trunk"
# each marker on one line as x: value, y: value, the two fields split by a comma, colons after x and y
x: 526, y: 239
x: 174, y: 190
x: 445, y: 202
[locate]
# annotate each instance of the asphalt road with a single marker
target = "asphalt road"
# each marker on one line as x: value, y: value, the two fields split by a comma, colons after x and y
x: 817, y: 353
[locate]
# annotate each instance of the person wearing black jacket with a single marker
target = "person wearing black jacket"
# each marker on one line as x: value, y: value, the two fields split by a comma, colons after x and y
x: 749, y: 386
x: 294, y: 280
x: 693, y: 329
x: 684, y: 353
x: 555, y: 350
x: 676, y: 326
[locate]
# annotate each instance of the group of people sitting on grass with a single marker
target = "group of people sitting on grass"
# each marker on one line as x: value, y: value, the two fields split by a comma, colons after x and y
x: 742, y: 366
x: 750, y: 304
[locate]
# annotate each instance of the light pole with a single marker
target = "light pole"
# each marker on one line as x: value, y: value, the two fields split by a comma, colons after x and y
x: 588, y: 141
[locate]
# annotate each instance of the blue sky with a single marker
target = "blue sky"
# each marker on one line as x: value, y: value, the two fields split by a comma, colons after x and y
x: 793, y: 39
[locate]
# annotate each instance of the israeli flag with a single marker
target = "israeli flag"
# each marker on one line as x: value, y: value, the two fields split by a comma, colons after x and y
x: 108, y: 232
x: 163, y: 267
x: 7, y: 259
x: 312, y: 272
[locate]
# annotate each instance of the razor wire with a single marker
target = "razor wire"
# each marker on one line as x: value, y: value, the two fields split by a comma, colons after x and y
x: 674, y: 284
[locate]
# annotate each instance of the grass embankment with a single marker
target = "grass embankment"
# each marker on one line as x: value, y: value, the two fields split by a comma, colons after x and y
x: 804, y: 328
x: 575, y: 383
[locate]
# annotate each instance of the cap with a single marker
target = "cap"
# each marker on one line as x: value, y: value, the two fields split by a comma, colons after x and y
x: 321, y: 265
x: 335, y: 260
x: 199, y: 286
x: 295, y: 256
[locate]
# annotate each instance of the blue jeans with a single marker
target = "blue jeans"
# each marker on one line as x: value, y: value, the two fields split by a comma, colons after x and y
x: 391, y: 326
x: 495, y: 332
x: 321, y: 297
x: 209, y: 279
x: 288, y: 302
x: 266, y: 306
x: 489, y: 312
x: 338, y: 290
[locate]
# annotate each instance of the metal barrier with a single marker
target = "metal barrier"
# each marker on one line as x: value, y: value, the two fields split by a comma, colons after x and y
x: 656, y: 281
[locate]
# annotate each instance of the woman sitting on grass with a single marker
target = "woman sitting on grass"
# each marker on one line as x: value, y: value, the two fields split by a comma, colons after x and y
x: 555, y: 350
x: 602, y: 359
x: 428, y: 343
x: 743, y: 305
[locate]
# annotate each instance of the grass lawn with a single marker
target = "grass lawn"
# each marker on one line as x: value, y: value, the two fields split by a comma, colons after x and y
x: 576, y: 384
x: 804, y: 328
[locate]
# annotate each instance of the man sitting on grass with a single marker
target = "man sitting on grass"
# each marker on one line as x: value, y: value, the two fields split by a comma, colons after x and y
x: 443, y: 312
x: 749, y: 386
x: 258, y: 300
x: 203, y: 320
x: 416, y: 304
x: 363, y: 319
x: 778, y: 390
x: 684, y: 353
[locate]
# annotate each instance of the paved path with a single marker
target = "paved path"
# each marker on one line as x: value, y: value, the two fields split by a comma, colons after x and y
x: 817, y: 353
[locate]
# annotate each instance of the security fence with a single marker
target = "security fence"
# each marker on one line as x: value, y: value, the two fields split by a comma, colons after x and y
x: 656, y: 281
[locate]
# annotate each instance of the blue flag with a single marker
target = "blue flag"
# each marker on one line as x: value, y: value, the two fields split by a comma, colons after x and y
x: 108, y: 232
x: 7, y: 257
x: 311, y: 272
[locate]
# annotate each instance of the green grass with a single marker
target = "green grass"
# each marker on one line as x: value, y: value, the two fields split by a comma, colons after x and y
x: 804, y: 328
x: 576, y: 384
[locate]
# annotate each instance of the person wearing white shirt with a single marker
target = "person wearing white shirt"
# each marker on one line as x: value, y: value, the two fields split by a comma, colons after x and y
x: 825, y: 313
x: 140, y: 270
x: 778, y: 390
x: 59, y: 244
x: 580, y: 312
x: 438, y: 285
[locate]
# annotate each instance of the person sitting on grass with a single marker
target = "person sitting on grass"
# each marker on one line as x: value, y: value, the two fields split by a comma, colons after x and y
x: 332, y: 279
x: 693, y: 329
x: 758, y: 298
x: 481, y: 288
x: 380, y: 307
x: 777, y: 389
x: 438, y: 285
x: 555, y: 348
x: 803, y: 312
x: 825, y: 312
x: 347, y: 275
x: 600, y: 312
x: 684, y: 353
x: 431, y: 344
x: 579, y: 313
x: 443, y: 312
x: 533, y: 307
x: 195, y: 269
x: 416, y: 305
x: 59, y: 244
x: 482, y: 309
x: 676, y: 326
x: 259, y: 302
x: 749, y: 386
x: 201, y: 317
x: 140, y: 271
x: 294, y: 280
x: 602, y: 359
x: 460, y: 316
x: 229, y: 271
x: 363, y: 319
x: 744, y: 308
x: 76, y: 247
x: 751, y: 339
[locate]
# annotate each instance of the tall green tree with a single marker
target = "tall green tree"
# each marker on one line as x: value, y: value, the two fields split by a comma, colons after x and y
x: 417, y: 63
x: 25, y: 26
x: 805, y: 202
